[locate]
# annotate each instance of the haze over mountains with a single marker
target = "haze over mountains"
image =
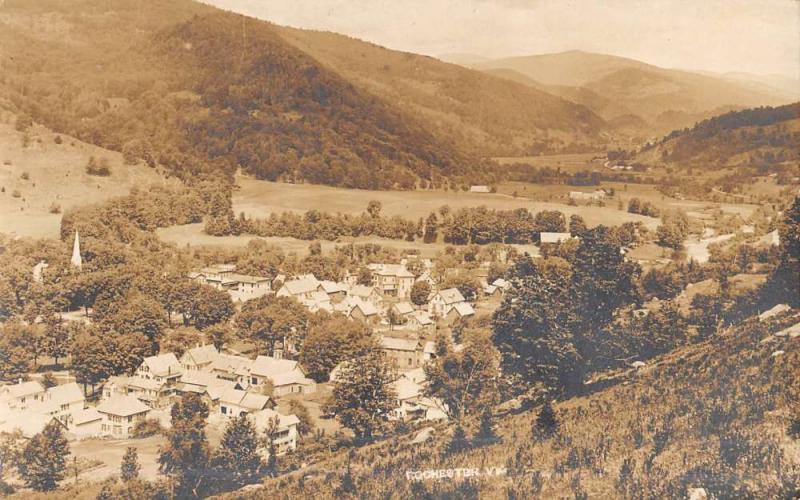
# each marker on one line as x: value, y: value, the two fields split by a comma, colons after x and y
x: 632, y: 92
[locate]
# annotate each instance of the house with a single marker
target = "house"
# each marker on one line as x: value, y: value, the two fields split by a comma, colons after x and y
x: 217, y: 275
x: 502, y: 284
x: 286, y: 376
x: 546, y: 238
x: 20, y: 395
x: 460, y: 310
x: 120, y: 415
x: 597, y: 194
x: 207, y: 386
x: 300, y: 288
x: 420, y: 321
x: 365, y: 293
x: 336, y: 292
x: 364, y: 312
x: 86, y: 423
x: 232, y: 368
x: 161, y: 368
x: 284, y: 437
x: 403, y: 309
x: 392, y: 280
x: 153, y: 393
x: 443, y: 300
x: 198, y: 358
x: 234, y: 402
x: 60, y: 402
x: 246, y: 287
x: 27, y: 423
x: 404, y: 354
x: 411, y: 404
x: 479, y: 189
x: 428, y: 351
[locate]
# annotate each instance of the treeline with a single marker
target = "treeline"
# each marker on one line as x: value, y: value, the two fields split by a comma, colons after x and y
x: 524, y: 172
x: 465, y: 226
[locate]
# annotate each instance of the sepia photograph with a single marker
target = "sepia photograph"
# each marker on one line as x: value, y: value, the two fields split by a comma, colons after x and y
x: 399, y: 249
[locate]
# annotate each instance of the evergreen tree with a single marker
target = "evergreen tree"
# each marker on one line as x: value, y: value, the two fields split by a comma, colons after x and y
x: 458, y: 441
x: 485, y: 435
x: 546, y: 422
x: 237, y: 460
x: 44, y: 460
x: 129, y: 469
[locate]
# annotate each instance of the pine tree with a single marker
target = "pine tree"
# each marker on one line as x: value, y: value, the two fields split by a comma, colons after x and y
x: 186, y: 454
x: 458, y: 441
x: 485, y: 435
x: 129, y: 469
x: 44, y: 460
x: 237, y: 460
x: 546, y: 423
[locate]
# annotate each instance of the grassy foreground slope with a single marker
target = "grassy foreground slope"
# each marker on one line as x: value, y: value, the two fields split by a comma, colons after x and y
x: 713, y: 416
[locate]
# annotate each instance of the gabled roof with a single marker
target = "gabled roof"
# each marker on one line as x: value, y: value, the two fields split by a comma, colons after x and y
x: 429, y: 347
x: 554, y: 237
x: 396, y: 270
x: 85, y: 416
x: 302, y: 285
x: 406, y: 388
x: 397, y: 344
x: 63, y: 394
x: 163, y: 364
x: 362, y: 291
x: 200, y: 355
x: 28, y: 423
x: 247, y: 278
x: 463, y: 309
x: 122, y: 406
x: 269, y: 367
x: 24, y: 389
x: 417, y: 375
x: 403, y: 308
x: 231, y: 364
x: 501, y: 283
x: 244, y: 399
x: 451, y: 296
x: 261, y: 419
x: 332, y: 286
x: 422, y: 317
x: 367, y: 309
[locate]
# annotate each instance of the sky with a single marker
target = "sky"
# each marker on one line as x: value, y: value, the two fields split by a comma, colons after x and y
x: 755, y: 36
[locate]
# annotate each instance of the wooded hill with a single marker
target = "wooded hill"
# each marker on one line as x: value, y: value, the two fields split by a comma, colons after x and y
x: 760, y: 136
x: 200, y: 90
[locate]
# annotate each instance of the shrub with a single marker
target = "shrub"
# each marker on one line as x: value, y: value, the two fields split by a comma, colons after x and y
x: 146, y: 428
x: 25, y: 176
x: 16, y: 193
x: 55, y: 208
x: 58, y: 139
x: 98, y: 167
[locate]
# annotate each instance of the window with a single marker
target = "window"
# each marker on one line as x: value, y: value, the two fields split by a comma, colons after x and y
x: 223, y: 410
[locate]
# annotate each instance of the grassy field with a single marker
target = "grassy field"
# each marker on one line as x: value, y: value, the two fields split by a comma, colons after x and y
x: 56, y: 176
x: 260, y: 198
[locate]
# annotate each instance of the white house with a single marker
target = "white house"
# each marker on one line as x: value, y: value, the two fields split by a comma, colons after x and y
x: 230, y: 367
x: 444, y: 300
x: 120, y: 415
x: 411, y: 404
x: 199, y: 357
x: 420, y: 320
x: 458, y: 311
x: 404, y: 354
x: 86, y: 423
x: 286, y: 376
x: 164, y: 367
x: 285, y: 436
x: 233, y: 402
x: 479, y: 189
x: 301, y: 288
x: 392, y: 280
x: 60, y: 402
x: 553, y: 238
x: 20, y: 395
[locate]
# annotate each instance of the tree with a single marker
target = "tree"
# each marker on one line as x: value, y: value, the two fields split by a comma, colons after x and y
x: 9, y: 455
x: 782, y: 283
x: 364, y: 276
x: 129, y: 468
x: 458, y: 441
x: 363, y: 397
x: 209, y: 306
x: 551, y: 221
x: 464, y: 381
x: 374, y: 208
x: 179, y: 340
x: 466, y: 284
x: 270, y: 435
x: 431, y: 228
x: 237, y: 461
x: 270, y: 320
x: 531, y: 330
x: 576, y: 225
x: 137, y: 314
x: 546, y: 422
x: 331, y: 342
x: 219, y: 334
x: 15, y: 350
x: 56, y: 337
x: 485, y: 435
x: 49, y: 380
x: 420, y: 291
x: 43, y: 462
x: 186, y: 453
x: 298, y: 409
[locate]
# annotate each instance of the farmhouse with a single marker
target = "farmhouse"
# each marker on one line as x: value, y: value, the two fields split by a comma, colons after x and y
x: 301, y: 288
x: 459, y: 311
x: 86, y: 423
x: 161, y: 368
x: 411, y: 404
x: 60, y: 402
x: 234, y: 402
x: 155, y: 394
x: 403, y: 309
x: 19, y: 396
x: 597, y: 194
x: 479, y: 189
x: 28, y: 424
x: 420, y: 320
x: 284, y: 437
x: 363, y: 311
x: 120, y: 415
x: 233, y: 368
x: 365, y: 293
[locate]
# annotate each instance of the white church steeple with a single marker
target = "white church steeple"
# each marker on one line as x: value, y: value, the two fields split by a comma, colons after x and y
x: 76, y: 252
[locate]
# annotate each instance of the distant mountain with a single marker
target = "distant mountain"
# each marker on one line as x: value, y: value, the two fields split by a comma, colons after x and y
x: 761, y: 136
x: 485, y: 114
x: 205, y: 92
x: 611, y: 86
x: 463, y: 59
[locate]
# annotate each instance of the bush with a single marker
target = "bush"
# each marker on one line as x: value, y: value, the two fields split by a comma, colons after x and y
x: 55, y: 208
x: 146, y: 428
x: 57, y: 139
x: 98, y: 167
x: 16, y: 193
x: 25, y: 176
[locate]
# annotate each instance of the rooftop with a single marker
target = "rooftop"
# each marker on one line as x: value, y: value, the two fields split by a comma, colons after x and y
x: 122, y: 406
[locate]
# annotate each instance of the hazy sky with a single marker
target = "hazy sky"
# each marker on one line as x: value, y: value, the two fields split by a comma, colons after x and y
x: 757, y: 36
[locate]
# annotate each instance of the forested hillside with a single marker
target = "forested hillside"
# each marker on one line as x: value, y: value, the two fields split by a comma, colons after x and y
x: 201, y: 90
x: 483, y: 113
x: 760, y: 136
